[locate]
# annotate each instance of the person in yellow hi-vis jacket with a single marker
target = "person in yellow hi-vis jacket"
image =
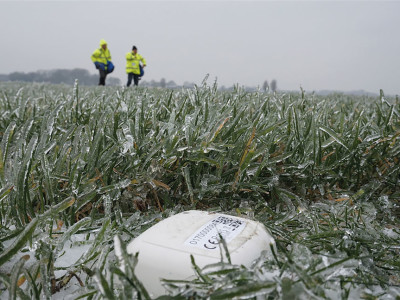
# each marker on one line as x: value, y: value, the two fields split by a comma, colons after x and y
x: 102, y: 60
x: 134, y: 66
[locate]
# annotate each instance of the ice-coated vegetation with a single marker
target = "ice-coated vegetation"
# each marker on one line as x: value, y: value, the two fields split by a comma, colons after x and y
x: 92, y: 167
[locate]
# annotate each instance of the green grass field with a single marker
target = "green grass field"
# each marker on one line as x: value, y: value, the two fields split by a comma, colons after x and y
x: 321, y: 173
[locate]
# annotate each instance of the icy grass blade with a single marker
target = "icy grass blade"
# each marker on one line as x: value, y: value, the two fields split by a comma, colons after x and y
x: 19, y: 292
x: 249, y: 290
x: 103, y: 285
x: 48, y: 186
x: 334, y: 135
x: 127, y: 263
x: 5, y: 191
x: 117, y: 186
x: 94, y: 249
x: 71, y: 231
x: 224, y: 246
x: 6, y: 139
x: 217, y: 131
x: 120, y: 253
x: 22, y: 239
x: 27, y: 233
x: 48, y: 126
x: 102, y: 261
x: 15, y: 273
x: 198, y: 271
x: 30, y: 275
x: 23, y: 181
x: 186, y: 175
x: 246, y: 157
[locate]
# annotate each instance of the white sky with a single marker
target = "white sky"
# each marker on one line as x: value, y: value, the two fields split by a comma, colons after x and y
x: 337, y: 45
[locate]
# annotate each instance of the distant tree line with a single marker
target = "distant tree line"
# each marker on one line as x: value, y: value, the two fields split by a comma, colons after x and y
x: 59, y: 76
x: 163, y: 83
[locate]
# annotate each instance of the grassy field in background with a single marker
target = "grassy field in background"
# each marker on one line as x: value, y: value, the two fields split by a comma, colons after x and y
x: 320, y: 172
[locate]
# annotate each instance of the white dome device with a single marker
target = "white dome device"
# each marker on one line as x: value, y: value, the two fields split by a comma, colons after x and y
x: 165, y: 248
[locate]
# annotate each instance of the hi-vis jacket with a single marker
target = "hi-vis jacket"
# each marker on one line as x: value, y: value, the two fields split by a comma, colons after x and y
x: 132, y: 63
x: 100, y: 55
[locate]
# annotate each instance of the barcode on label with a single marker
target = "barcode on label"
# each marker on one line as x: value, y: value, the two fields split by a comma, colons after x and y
x: 233, y: 223
x: 209, y: 235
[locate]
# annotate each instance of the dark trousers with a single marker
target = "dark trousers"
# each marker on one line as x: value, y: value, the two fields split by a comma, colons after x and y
x: 103, y: 75
x: 135, y: 79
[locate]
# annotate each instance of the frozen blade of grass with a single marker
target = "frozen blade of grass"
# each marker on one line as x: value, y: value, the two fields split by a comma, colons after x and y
x: 233, y: 126
x: 27, y: 233
x: 155, y: 150
x: 138, y: 115
x: 390, y: 115
x: 225, y: 248
x: 121, y: 253
x: 207, y: 160
x: 22, y: 105
x: 6, y: 139
x: 85, y: 198
x: 5, y: 191
x: 104, y: 288
x: 171, y: 122
x: 48, y: 125
x: 86, y: 293
x: 54, y: 210
x: 296, y: 124
x: 198, y: 271
x: 332, y: 265
x: 117, y: 186
x: 6, y: 282
x: 72, y: 230
x: 220, y: 269
x: 95, y: 150
x: 48, y: 184
x: 217, y: 131
x: 23, y: 179
x: 188, y: 129
x: 94, y: 250
x: 280, y: 158
x: 186, y: 175
x: 243, y: 162
x: 1, y: 169
x: 25, y: 236
x: 133, y: 282
x: 31, y: 279
x: 248, y: 290
x: 334, y: 135
x: 15, y: 272
x: 127, y: 263
x: 102, y: 261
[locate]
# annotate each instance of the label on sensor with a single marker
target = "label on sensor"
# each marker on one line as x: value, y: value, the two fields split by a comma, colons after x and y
x: 209, y: 235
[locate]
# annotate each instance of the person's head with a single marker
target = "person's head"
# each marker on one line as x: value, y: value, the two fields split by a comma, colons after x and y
x: 134, y: 49
x: 103, y: 44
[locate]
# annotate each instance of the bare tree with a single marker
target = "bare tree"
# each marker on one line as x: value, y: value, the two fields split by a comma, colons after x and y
x: 163, y: 82
x: 265, y: 86
x: 273, y: 85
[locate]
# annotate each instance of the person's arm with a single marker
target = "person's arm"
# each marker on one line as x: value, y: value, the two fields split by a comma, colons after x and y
x: 95, y: 58
x: 95, y: 55
x: 143, y: 61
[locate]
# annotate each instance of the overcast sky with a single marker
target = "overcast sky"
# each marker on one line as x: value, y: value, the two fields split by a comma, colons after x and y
x: 336, y: 45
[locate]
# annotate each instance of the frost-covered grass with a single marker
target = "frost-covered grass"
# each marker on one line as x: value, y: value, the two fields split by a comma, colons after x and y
x: 83, y: 167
